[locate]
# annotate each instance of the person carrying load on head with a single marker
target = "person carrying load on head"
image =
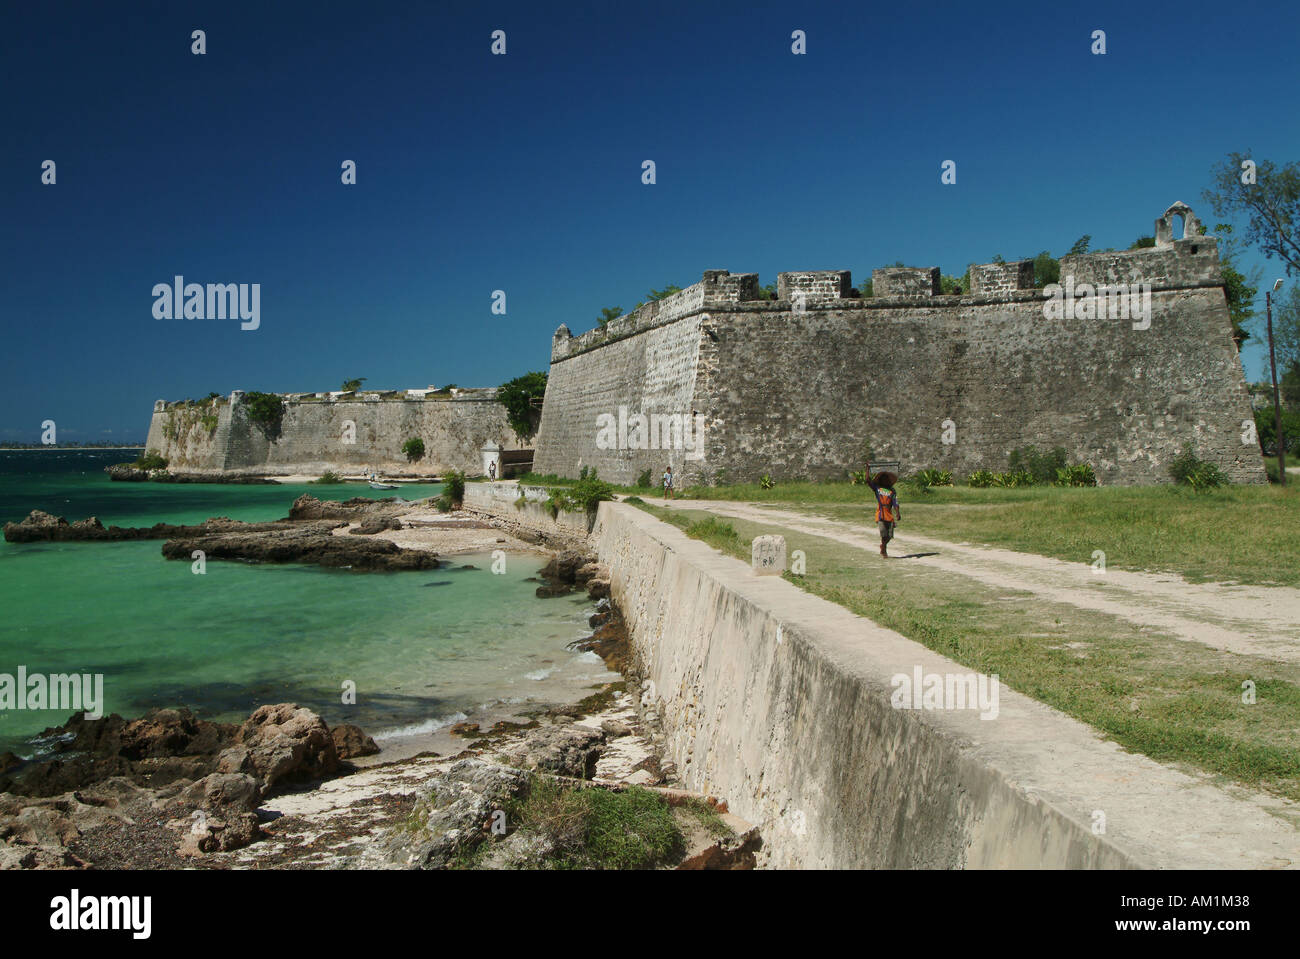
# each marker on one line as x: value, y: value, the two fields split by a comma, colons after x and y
x: 888, y: 512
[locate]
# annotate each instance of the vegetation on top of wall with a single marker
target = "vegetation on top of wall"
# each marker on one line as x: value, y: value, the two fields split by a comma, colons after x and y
x: 352, y: 385
x: 517, y: 397
x: 949, y: 285
x: 182, y: 417
x: 581, y: 497
x: 656, y: 295
x: 266, y: 411
x: 589, y: 491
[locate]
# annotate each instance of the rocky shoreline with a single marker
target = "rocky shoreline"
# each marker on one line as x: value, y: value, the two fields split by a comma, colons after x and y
x: 129, y: 473
x: 199, y: 780
x: 284, y: 790
x: 319, y: 532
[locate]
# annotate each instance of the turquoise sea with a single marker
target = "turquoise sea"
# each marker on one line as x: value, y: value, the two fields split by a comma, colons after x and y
x: 423, y: 648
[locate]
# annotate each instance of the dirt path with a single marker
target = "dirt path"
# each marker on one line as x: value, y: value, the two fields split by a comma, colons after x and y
x: 1253, y: 620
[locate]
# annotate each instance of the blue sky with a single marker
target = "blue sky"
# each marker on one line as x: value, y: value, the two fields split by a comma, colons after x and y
x: 523, y: 172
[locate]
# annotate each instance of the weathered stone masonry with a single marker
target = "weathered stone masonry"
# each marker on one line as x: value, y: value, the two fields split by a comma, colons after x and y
x: 795, y: 387
x: 311, y: 436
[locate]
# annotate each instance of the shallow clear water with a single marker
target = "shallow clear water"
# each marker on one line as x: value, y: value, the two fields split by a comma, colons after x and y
x: 423, y: 648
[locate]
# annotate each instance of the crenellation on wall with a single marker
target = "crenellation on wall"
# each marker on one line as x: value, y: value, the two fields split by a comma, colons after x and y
x: 905, y: 281
x: 721, y: 286
x: 814, y: 286
x: 995, y: 278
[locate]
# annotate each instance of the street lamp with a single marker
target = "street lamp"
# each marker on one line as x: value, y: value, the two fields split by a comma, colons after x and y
x: 1277, y: 406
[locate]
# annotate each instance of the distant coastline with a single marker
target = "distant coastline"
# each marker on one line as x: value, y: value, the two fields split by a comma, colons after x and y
x: 37, y: 447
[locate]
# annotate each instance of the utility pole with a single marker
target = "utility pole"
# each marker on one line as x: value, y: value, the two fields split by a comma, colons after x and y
x: 1277, y: 406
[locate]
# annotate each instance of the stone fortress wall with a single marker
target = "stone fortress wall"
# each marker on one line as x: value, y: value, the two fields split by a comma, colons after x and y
x: 314, y: 429
x: 797, y: 386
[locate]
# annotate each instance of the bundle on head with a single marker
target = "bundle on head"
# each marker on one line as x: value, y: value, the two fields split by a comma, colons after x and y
x: 886, y: 478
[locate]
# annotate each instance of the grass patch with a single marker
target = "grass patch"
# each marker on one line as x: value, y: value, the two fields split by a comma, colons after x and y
x: 718, y: 534
x: 596, y: 828
x: 1175, y: 701
x: 707, y: 816
x: 1243, y: 534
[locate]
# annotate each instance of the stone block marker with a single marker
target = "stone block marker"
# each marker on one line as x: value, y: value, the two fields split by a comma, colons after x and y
x: 768, y: 555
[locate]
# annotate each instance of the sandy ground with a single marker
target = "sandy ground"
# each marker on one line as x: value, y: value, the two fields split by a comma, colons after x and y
x: 1254, y: 620
x: 448, y: 534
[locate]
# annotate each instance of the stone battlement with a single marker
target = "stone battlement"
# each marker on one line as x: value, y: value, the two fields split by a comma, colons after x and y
x: 1190, y: 262
x: 796, y: 386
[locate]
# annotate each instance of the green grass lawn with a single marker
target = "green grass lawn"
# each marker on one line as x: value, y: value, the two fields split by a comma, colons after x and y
x: 1175, y: 701
x: 1245, y: 534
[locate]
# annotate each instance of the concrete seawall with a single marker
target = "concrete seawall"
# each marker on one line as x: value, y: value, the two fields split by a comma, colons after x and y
x: 502, y: 499
x: 780, y: 703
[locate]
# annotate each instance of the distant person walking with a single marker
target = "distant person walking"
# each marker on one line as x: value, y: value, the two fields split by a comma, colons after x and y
x: 888, y: 512
x: 492, y: 470
x: 668, y: 484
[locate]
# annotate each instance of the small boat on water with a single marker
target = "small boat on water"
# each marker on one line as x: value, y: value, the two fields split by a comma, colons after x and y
x: 375, y: 484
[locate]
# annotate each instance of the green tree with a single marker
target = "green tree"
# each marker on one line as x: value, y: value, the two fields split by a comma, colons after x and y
x: 1266, y: 429
x: 1143, y: 242
x: 1289, y: 387
x: 517, y: 397
x: 351, y: 386
x: 1240, y: 294
x: 1047, y: 269
x: 955, y: 284
x: 608, y: 314
x: 1239, y: 289
x: 1286, y: 334
x: 1270, y: 205
x: 1081, y: 245
x: 265, y: 410
x: 667, y: 291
